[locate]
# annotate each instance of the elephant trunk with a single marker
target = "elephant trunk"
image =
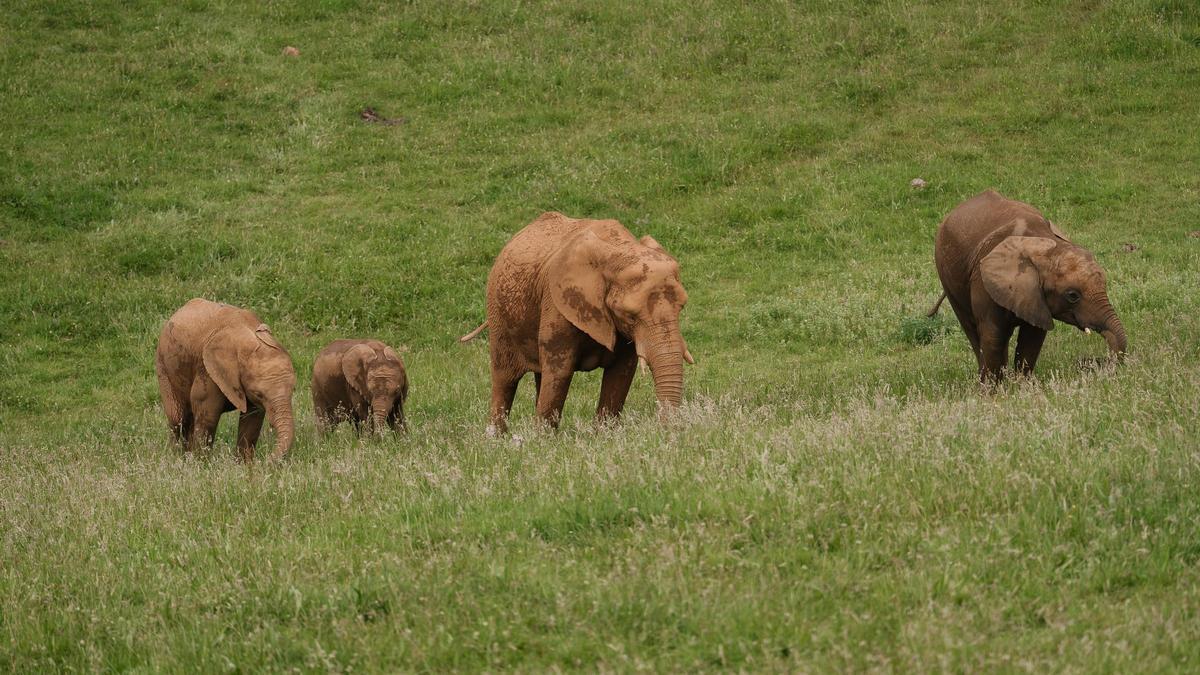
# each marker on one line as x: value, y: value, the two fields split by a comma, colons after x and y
x: 1114, y: 333
x: 379, y: 414
x: 279, y: 416
x: 664, y: 352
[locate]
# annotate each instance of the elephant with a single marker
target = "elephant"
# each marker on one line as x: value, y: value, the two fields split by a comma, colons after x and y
x: 213, y: 358
x: 359, y: 381
x: 568, y: 295
x: 1004, y: 266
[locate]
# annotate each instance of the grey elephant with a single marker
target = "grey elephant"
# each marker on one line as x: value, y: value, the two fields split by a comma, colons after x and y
x: 213, y: 358
x: 359, y: 381
x: 1004, y: 267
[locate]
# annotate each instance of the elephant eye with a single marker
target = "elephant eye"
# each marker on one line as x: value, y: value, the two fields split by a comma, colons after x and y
x: 1072, y: 296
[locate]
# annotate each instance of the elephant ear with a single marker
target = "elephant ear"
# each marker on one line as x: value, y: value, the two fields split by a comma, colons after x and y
x: 651, y: 242
x: 391, y: 354
x: 220, y: 358
x: 264, y: 336
x: 354, y: 368
x: 578, y: 287
x: 1057, y: 232
x: 1011, y: 274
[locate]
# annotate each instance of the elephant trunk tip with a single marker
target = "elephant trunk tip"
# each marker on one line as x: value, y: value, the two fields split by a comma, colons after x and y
x: 284, y: 425
x: 1113, y: 332
x: 1117, y: 343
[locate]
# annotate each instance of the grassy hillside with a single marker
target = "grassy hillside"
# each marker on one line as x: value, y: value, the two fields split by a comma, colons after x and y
x: 836, y: 494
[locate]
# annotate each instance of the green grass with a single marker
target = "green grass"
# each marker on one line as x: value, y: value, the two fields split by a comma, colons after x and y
x: 836, y: 494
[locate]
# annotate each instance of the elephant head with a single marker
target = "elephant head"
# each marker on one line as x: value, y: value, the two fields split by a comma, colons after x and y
x: 379, y: 382
x: 1041, y: 279
x: 631, y: 288
x: 250, y: 366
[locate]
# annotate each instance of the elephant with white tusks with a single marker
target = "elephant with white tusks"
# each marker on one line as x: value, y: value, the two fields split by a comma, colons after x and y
x: 568, y: 295
x: 1005, y: 268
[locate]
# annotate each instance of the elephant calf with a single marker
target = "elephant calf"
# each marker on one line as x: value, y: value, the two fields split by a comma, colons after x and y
x: 1003, y: 266
x: 213, y: 358
x: 359, y: 381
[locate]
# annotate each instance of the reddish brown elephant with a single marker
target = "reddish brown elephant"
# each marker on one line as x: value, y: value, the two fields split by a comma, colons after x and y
x: 360, y: 381
x: 568, y: 295
x: 1004, y: 267
x: 213, y: 358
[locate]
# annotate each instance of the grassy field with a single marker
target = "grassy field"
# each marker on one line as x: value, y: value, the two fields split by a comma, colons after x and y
x: 836, y: 493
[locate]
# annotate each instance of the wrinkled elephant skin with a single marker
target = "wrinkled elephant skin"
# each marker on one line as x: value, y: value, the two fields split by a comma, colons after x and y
x: 568, y: 295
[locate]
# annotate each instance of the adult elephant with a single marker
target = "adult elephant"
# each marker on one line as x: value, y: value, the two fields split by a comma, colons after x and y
x: 213, y: 358
x: 568, y: 295
x: 1004, y: 267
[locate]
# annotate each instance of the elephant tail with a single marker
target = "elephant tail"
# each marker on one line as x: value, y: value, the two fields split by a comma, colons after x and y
x: 473, y: 334
x: 936, y: 306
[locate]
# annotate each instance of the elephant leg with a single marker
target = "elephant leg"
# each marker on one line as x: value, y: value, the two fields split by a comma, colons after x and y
x: 993, y: 346
x: 968, y: 326
x: 395, y: 420
x: 249, y: 426
x: 344, y: 412
x: 504, y: 389
x: 206, y: 413
x: 186, y: 424
x: 328, y: 418
x: 320, y: 414
x: 1029, y: 346
x: 179, y: 414
x: 614, y: 388
x: 553, y: 394
x: 558, y: 353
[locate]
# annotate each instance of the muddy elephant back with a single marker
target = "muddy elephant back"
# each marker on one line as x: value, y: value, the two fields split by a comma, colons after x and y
x: 198, y: 317
x: 518, y: 264
x: 534, y: 241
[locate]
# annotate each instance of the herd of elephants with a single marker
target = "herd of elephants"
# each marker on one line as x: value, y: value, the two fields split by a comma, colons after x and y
x: 567, y: 295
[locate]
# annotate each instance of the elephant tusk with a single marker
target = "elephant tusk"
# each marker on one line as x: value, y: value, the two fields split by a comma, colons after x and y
x: 642, y: 364
x: 687, y: 356
x: 1087, y: 331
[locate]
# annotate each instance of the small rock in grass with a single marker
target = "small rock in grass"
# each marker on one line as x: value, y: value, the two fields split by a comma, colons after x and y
x: 1129, y: 248
x: 918, y: 183
x: 291, y: 51
x: 368, y: 114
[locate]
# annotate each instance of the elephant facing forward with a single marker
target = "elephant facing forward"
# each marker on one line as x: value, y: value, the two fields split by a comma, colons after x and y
x: 1004, y: 267
x: 568, y: 295
x: 360, y: 381
x: 213, y: 358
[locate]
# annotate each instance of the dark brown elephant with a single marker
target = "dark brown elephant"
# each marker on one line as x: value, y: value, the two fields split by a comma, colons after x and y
x: 213, y: 358
x: 360, y: 381
x: 568, y: 295
x: 1003, y: 266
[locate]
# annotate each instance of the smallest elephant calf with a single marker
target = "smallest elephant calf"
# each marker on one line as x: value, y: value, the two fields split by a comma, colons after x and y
x: 360, y: 381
